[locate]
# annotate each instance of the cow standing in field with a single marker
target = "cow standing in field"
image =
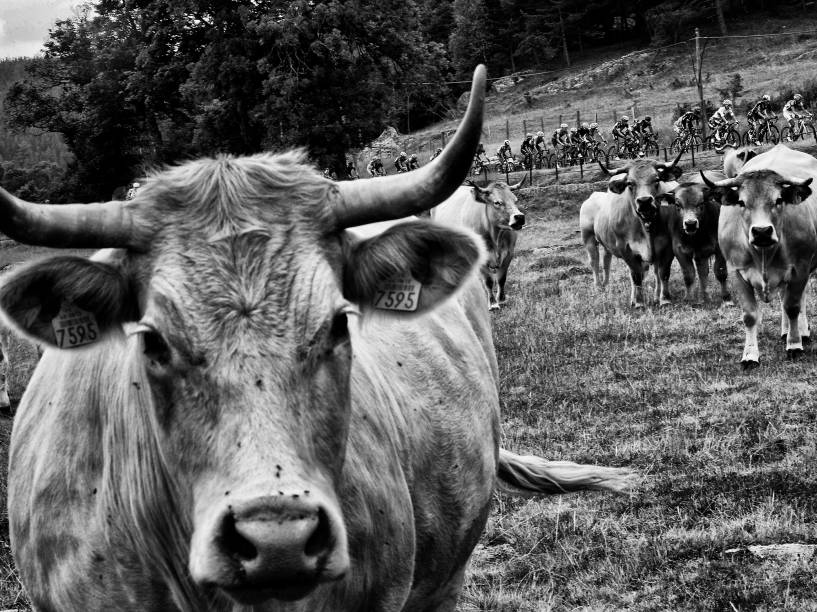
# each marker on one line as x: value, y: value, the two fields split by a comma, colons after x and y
x: 768, y: 234
x: 254, y: 408
x: 623, y: 220
x: 690, y: 217
x: 492, y: 213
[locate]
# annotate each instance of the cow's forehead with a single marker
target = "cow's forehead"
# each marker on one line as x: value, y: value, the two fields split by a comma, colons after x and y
x: 760, y: 186
x: 690, y: 194
x: 500, y: 192
x: 642, y: 170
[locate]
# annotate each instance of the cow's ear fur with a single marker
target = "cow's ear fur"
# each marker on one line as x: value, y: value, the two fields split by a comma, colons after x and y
x: 728, y: 196
x: 746, y: 155
x: 669, y: 173
x: 441, y: 259
x: 33, y: 295
x: 618, y: 183
x: 481, y: 194
x: 794, y: 194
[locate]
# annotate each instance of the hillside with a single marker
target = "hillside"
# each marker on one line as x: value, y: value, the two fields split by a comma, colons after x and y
x: 655, y: 81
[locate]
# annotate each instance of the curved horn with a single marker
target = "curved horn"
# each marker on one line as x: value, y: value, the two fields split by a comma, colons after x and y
x: 611, y: 171
x: 81, y: 226
x: 729, y: 182
x: 677, y: 159
x: 518, y: 185
x: 401, y: 195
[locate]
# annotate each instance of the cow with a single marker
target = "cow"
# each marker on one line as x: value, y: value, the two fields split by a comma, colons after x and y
x: 689, y: 214
x: 244, y: 406
x: 491, y: 212
x: 735, y: 158
x: 622, y: 220
x: 768, y: 234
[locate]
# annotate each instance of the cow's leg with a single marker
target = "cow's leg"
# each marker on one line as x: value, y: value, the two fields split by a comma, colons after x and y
x: 636, y: 280
x: 793, y: 319
x: 489, y: 283
x: 502, y: 276
x: 702, y: 267
x: 607, y: 258
x: 5, y: 402
x: 722, y: 275
x: 663, y: 266
x: 688, y: 272
x: 751, y: 320
x: 591, y: 245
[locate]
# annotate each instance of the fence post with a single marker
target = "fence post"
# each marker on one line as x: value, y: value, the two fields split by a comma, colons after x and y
x: 542, y: 123
x: 692, y: 148
x: 581, y: 168
x: 560, y: 120
x: 597, y: 117
x: 524, y: 127
x: 633, y: 109
x: 578, y: 118
x: 665, y: 155
x: 507, y: 129
x: 442, y: 138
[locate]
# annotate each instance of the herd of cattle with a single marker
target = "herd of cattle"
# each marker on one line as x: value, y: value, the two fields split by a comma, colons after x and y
x: 282, y: 392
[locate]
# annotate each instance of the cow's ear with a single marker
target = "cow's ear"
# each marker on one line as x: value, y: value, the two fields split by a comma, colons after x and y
x: 669, y: 173
x: 411, y: 267
x: 666, y: 199
x: 618, y: 183
x: 481, y: 194
x: 729, y: 196
x: 746, y: 155
x: 66, y: 301
x: 793, y: 193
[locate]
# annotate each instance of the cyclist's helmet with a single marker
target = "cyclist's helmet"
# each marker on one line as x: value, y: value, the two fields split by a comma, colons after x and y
x: 727, y: 102
x: 439, y: 149
x: 766, y: 97
x: 136, y: 185
x: 528, y: 135
x: 573, y: 129
x: 625, y: 118
x: 798, y: 97
x: 697, y: 111
x: 402, y: 153
x: 648, y: 119
x: 563, y: 126
x: 585, y: 125
x: 594, y: 125
x: 507, y: 142
x: 540, y: 133
x: 413, y: 156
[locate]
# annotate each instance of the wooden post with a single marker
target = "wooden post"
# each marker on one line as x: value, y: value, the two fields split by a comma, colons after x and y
x: 699, y: 60
x: 542, y: 123
x: 442, y: 138
x: 560, y: 120
x: 633, y: 111
x: 507, y: 129
x: 578, y: 118
x: 524, y: 127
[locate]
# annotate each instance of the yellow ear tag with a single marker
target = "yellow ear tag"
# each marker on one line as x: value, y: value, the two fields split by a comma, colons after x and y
x: 74, y: 327
x: 398, y: 294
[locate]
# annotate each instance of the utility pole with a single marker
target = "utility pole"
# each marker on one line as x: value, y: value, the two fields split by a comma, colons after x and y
x: 699, y: 60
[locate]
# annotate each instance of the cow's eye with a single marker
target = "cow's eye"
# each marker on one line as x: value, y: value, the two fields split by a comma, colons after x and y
x: 779, y: 202
x: 741, y: 203
x: 156, y: 349
x: 497, y: 204
x: 339, y: 330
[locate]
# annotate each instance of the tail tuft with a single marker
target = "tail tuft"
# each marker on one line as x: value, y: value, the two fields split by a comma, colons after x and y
x: 531, y: 475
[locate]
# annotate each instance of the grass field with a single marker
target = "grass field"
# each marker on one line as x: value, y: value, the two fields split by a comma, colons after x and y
x: 726, y: 455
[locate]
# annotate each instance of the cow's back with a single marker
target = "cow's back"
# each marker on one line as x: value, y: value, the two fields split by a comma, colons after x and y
x: 461, y: 210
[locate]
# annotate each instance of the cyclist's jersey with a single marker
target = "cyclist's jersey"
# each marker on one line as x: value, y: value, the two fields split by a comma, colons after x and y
x: 584, y: 133
x: 793, y: 106
x: 574, y: 138
x: 400, y: 163
x: 560, y: 136
x: 686, y: 121
x: 375, y: 165
x: 504, y: 152
x: 413, y: 164
x: 723, y: 115
x: 527, y: 146
x: 540, y: 143
x: 760, y: 110
x: 621, y: 129
x: 642, y: 126
x: 595, y: 133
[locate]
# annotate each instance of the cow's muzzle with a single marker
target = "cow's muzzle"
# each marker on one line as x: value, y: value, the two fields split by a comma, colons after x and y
x: 763, y: 236
x: 517, y: 221
x: 646, y: 209
x: 273, y: 547
x: 690, y: 226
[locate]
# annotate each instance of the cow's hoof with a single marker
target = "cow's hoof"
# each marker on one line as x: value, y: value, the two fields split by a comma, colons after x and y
x: 794, y: 354
x: 749, y: 364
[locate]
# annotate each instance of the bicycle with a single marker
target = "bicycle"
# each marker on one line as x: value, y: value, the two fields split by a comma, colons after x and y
x: 509, y: 164
x: 767, y: 132
x: 543, y: 159
x: 685, y: 141
x: 804, y: 126
x: 724, y: 134
x: 480, y: 166
x: 627, y: 149
x: 649, y: 145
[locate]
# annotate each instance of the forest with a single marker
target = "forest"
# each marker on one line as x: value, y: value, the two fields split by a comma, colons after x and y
x: 127, y: 85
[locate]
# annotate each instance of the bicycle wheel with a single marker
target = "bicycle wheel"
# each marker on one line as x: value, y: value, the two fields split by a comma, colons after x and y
x: 771, y: 136
x: 732, y: 138
x: 745, y: 140
x: 786, y: 135
x: 612, y: 152
x: 675, y: 145
x: 651, y: 149
x: 808, y: 130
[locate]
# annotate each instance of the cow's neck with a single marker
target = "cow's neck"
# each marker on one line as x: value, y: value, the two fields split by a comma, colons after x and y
x: 490, y: 232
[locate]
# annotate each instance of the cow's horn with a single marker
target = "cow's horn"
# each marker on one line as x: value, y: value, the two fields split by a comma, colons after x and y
x: 518, y: 185
x: 729, y: 182
x: 401, y: 195
x: 611, y: 171
x: 82, y: 226
x: 677, y: 159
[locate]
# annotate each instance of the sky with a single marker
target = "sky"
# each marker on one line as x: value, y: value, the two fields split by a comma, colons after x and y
x: 24, y: 24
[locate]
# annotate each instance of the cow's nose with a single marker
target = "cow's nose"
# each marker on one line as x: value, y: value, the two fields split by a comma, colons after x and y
x: 518, y: 221
x: 644, y: 201
x: 272, y: 547
x: 763, y: 235
x: 691, y: 225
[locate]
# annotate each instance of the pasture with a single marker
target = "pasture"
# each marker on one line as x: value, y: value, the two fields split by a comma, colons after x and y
x: 726, y: 455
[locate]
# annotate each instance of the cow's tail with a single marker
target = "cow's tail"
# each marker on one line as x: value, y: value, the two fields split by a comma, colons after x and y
x: 530, y: 475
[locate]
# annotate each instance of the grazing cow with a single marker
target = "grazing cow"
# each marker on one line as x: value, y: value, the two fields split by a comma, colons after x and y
x: 734, y: 158
x: 690, y: 217
x: 492, y: 213
x: 768, y: 234
x: 623, y: 219
x: 261, y: 410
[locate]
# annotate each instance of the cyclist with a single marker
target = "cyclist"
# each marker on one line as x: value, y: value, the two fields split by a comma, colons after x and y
x: 687, y: 123
x: 351, y: 171
x: 622, y: 133
x: 761, y: 111
x: 375, y: 167
x: 595, y: 132
x: 721, y: 120
x: 527, y: 149
x: 560, y: 137
x: 793, y: 110
x: 643, y: 126
x: 401, y: 162
x: 504, y: 152
x: 132, y: 191
x: 413, y: 162
x: 539, y: 142
x: 436, y: 154
x: 584, y: 132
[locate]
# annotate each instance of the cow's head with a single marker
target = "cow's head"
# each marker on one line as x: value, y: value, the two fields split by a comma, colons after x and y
x: 237, y: 284
x: 762, y: 195
x: 735, y: 158
x: 500, y: 203
x: 642, y: 179
x: 691, y: 200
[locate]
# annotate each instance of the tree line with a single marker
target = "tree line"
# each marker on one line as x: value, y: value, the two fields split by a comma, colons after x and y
x: 133, y: 84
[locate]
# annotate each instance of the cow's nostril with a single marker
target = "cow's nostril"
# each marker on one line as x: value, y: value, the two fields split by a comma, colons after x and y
x: 234, y: 543
x: 321, y: 539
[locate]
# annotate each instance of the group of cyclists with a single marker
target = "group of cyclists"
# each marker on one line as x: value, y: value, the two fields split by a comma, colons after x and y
x: 402, y: 163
